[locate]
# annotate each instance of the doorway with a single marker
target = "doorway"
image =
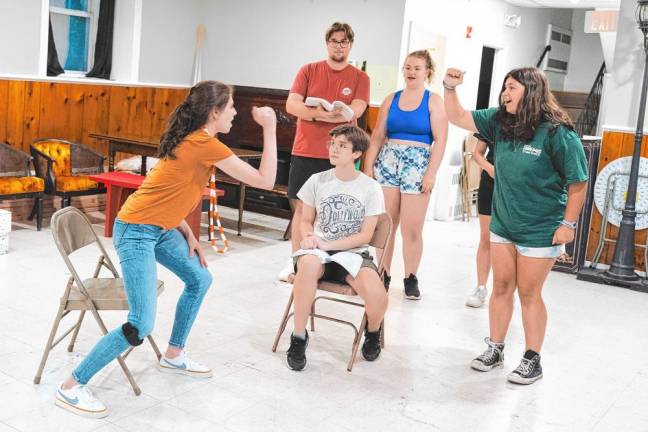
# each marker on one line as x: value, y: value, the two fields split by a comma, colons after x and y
x: 485, y: 77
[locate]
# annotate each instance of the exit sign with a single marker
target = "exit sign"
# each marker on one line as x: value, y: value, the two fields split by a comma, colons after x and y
x: 601, y: 21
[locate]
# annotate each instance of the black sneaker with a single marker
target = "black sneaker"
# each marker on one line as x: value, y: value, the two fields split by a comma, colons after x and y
x: 411, y: 287
x: 491, y: 358
x: 528, y: 372
x: 386, y: 280
x: 371, y: 345
x: 296, y: 354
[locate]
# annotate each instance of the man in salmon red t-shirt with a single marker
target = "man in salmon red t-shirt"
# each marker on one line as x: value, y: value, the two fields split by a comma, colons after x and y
x: 331, y: 79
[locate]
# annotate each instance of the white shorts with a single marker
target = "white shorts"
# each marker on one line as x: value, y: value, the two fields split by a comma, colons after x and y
x: 532, y: 252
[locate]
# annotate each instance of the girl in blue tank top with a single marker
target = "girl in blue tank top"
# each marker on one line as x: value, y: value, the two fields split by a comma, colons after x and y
x: 406, y: 150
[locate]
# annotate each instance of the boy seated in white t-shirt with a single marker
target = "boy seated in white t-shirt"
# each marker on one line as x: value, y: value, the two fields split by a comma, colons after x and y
x: 340, y: 212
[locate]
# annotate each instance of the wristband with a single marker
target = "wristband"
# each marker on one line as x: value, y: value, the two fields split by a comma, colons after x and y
x: 568, y: 224
x: 447, y: 87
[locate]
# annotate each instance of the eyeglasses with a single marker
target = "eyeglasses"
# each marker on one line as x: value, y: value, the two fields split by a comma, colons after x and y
x: 338, y: 44
x: 333, y: 145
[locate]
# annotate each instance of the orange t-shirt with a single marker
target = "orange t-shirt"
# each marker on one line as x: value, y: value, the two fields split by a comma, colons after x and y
x: 174, y: 187
x: 320, y: 80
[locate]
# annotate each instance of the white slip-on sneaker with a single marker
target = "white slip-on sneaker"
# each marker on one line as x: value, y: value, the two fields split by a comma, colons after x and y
x: 80, y: 400
x: 287, y: 273
x: 185, y: 366
x: 477, y: 298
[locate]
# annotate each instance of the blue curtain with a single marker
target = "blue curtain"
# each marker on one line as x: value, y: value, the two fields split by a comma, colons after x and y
x: 77, y: 58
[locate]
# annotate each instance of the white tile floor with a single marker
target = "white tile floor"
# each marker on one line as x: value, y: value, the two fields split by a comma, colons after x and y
x: 594, y: 356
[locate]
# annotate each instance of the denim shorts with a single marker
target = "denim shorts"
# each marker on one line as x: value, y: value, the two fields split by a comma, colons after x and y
x: 532, y: 252
x: 402, y: 166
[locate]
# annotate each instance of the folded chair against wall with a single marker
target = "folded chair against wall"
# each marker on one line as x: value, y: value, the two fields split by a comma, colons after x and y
x: 65, y: 167
x: 17, y: 182
x: 470, y: 176
x: 72, y: 231
x: 378, y: 241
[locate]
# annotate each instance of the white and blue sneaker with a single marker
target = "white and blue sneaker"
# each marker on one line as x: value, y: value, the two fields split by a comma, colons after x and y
x: 182, y: 364
x: 80, y: 400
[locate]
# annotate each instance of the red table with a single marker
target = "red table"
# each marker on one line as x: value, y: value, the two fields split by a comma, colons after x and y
x: 119, y: 185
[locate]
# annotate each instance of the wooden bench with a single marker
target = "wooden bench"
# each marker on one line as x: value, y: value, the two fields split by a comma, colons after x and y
x: 280, y: 190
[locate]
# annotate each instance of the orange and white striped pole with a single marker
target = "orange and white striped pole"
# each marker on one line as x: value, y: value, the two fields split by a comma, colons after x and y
x: 214, y: 215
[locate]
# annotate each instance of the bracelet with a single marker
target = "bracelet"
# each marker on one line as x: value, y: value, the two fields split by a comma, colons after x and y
x: 447, y: 87
x: 568, y: 224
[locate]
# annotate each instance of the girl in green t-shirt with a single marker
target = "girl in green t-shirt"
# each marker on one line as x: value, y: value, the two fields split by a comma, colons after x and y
x: 539, y: 191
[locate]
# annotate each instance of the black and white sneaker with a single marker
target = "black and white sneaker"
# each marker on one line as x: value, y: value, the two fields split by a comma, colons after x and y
x: 491, y: 358
x: 296, y: 354
x: 371, y: 345
x: 528, y: 372
x: 411, y: 287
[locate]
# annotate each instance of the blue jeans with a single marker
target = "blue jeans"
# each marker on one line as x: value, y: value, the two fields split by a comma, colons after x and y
x: 139, y: 246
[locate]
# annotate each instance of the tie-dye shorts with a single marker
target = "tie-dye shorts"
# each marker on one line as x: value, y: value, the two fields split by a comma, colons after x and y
x: 402, y: 166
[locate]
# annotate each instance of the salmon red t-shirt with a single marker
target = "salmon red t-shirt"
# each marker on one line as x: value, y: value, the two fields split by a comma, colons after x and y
x: 174, y: 187
x: 320, y: 80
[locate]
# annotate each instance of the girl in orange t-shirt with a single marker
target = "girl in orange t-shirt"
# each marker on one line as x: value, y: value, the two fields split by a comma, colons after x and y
x: 150, y: 228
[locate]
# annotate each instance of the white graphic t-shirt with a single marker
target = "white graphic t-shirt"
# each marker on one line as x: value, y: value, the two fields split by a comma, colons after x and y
x: 341, y: 206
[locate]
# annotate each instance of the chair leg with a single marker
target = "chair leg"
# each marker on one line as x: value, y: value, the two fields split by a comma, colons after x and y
x: 287, y: 233
x: 356, y: 342
x: 66, y: 201
x: 382, y: 334
x: 33, y: 210
x: 155, y: 347
x: 120, y: 359
x: 312, y: 317
x: 39, y: 213
x: 70, y: 347
x: 282, y: 326
x: 239, y: 224
x: 48, y: 345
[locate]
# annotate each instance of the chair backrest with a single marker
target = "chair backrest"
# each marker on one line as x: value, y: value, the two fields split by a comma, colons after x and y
x: 59, y: 151
x: 381, y: 233
x: 472, y: 171
x: 72, y: 230
x: 13, y: 162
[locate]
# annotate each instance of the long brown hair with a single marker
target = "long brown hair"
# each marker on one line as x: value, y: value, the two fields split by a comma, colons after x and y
x: 537, y: 106
x: 192, y: 114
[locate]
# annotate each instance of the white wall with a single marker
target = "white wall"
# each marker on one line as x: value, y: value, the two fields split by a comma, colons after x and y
x: 263, y: 43
x: 168, y: 35
x: 623, y: 86
x: 126, y: 42
x: 586, y: 56
x: 20, y: 36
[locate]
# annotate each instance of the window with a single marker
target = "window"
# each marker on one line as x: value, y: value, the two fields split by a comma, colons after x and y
x: 74, y: 30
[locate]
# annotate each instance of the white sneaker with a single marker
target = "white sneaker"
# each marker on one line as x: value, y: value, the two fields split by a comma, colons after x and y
x: 477, y: 298
x: 287, y: 273
x: 80, y: 400
x: 184, y: 365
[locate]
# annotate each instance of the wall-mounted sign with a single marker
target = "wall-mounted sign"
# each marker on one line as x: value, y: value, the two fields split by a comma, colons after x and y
x: 601, y: 21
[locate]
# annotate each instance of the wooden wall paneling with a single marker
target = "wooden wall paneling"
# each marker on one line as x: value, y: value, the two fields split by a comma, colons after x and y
x: 96, y: 109
x: 4, y: 106
x: 75, y: 108
x: 54, y: 112
x: 118, y: 110
x: 31, y: 117
x: 615, y: 145
x: 15, y: 112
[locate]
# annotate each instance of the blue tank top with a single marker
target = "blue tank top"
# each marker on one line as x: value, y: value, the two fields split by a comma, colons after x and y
x: 410, y: 125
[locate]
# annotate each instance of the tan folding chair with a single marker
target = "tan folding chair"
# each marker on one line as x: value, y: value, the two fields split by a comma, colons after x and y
x: 378, y: 241
x: 470, y: 176
x: 72, y: 231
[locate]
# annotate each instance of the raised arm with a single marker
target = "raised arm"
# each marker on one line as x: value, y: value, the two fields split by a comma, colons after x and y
x: 457, y: 115
x: 378, y: 136
x: 265, y: 176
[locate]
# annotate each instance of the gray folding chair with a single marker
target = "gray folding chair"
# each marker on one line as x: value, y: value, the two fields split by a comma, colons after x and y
x: 72, y: 231
x: 378, y: 241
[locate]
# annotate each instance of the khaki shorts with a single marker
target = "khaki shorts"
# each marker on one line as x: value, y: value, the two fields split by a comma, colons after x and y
x: 334, y: 272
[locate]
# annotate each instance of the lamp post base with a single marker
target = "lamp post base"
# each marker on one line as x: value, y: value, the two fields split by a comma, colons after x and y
x: 589, y: 274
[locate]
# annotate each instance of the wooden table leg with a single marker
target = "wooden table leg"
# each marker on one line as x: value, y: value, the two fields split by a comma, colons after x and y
x: 239, y: 225
x: 113, y: 196
x: 111, y: 156
x: 143, y: 165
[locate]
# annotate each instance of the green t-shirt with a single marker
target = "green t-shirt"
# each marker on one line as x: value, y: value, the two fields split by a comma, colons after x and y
x: 531, y: 180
